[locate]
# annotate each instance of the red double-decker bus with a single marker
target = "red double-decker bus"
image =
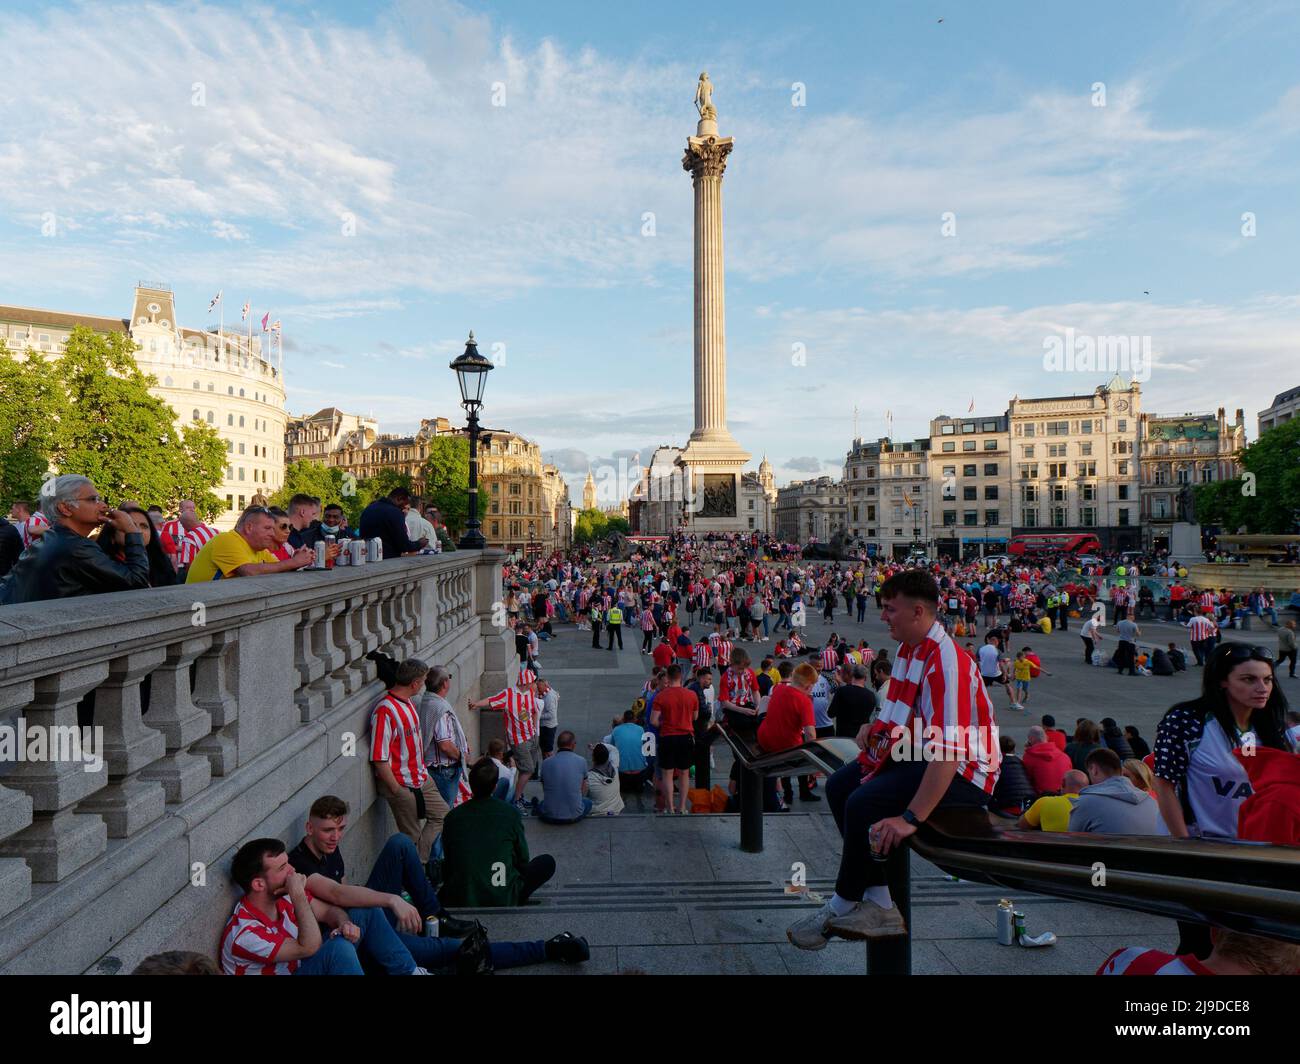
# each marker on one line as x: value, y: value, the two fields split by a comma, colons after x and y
x: 1058, y: 543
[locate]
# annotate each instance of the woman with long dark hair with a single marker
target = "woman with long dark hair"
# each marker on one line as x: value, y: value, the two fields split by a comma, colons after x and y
x: 161, y: 571
x: 1199, y: 783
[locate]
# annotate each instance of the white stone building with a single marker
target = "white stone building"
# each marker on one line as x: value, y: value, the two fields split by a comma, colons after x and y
x: 808, y: 510
x: 1178, y: 452
x: 1285, y: 406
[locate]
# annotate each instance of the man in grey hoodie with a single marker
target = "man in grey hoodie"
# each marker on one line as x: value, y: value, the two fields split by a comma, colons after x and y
x: 1112, y: 805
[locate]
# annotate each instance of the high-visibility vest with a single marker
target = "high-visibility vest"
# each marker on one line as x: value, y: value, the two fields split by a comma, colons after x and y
x: 615, y: 616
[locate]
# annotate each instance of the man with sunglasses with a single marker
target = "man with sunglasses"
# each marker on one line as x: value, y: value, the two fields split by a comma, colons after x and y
x: 69, y: 563
x: 245, y: 551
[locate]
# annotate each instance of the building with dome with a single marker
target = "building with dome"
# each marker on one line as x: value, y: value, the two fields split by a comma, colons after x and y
x: 224, y: 381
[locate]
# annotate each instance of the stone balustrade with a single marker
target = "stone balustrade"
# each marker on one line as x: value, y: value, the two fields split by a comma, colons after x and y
x: 221, y: 711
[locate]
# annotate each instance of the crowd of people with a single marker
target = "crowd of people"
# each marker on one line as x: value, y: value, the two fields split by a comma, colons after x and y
x: 76, y: 543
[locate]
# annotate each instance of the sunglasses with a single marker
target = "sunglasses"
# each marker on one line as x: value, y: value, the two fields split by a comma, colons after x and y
x: 284, y: 527
x: 1244, y: 652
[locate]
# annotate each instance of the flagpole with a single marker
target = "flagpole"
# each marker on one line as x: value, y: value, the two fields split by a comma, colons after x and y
x: 221, y: 321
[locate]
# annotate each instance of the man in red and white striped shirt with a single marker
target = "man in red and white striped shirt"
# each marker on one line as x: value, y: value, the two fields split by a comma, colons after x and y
x: 830, y: 659
x: 721, y: 650
x: 703, y: 654
x: 397, y: 756
x: 522, y: 711
x: 185, y: 535
x: 945, y: 753
x: 30, y: 522
x: 1202, y: 631
x: 1233, y: 953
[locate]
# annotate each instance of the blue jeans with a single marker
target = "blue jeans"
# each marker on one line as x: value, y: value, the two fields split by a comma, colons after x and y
x: 856, y: 806
x: 586, y: 808
x: 336, y: 956
x: 765, y: 631
x: 395, y: 952
x: 503, y: 790
x: 446, y: 780
x: 397, y: 869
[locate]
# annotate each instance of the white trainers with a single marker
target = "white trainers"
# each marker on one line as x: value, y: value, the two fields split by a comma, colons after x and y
x: 867, y: 920
x: 810, y: 932
x: 417, y: 970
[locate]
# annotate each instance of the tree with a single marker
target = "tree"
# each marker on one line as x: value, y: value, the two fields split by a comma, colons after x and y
x: 592, y: 525
x: 446, y: 482
x: 1266, y: 498
x: 102, y: 422
x: 312, y: 478
x: 31, y: 408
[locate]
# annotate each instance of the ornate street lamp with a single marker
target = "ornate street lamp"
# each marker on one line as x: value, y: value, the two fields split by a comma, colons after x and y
x: 471, y: 374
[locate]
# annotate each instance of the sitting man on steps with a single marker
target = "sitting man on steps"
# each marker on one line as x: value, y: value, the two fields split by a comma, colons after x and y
x: 879, y: 800
x: 398, y: 869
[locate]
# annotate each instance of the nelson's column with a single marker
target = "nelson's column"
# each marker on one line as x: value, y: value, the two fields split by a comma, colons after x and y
x: 712, y: 456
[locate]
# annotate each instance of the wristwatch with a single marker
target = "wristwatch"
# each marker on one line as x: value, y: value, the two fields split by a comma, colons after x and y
x: 911, y: 818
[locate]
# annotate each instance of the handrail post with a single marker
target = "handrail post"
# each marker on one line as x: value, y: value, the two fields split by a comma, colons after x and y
x: 751, y: 811
x: 893, y: 956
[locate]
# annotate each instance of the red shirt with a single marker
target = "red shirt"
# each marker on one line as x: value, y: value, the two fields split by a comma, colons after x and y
x: 395, y: 738
x: 251, y: 943
x: 676, y: 707
x: 1046, y: 765
x: 789, y: 711
x: 1055, y: 735
x: 663, y: 655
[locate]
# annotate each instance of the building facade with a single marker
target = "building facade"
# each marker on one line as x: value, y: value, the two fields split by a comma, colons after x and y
x: 665, y: 499
x: 224, y: 381
x: 527, y: 507
x: 1176, y: 453
x: 970, y: 501
x: 1075, y: 464
x: 808, y: 510
x: 363, y: 452
x: 314, y: 437
x: 1285, y: 406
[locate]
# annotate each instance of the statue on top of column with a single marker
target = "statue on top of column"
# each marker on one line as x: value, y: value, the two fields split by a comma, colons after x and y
x: 704, y: 98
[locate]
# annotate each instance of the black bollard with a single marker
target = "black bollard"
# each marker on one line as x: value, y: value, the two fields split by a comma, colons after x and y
x: 893, y: 956
x: 751, y: 811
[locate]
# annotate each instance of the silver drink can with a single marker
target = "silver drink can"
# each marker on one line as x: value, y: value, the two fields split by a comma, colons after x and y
x: 1006, y: 924
x: 345, y: 555
x: 375, y: 550
x: 320, y: 554
x: 357, y: 549
x: 432, y: 928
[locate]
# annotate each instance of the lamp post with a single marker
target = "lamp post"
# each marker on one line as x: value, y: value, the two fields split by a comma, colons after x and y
x: 471, y: 374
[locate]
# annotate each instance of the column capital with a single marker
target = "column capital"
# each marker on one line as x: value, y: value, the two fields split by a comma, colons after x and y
x: 707, y: 156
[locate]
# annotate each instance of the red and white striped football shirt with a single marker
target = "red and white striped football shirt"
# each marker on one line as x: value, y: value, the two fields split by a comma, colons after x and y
x: 250, y: 942
x: 956, y: 712
x: 33, y: 527
x: 1200, y: 628
x: 188, y: 544
x: 1207, y: 600
x: 1138, y: 961
x: 521, y: 714
x: 723, y: 652
x: 830, y: 660
x: 395, y: 738
x: 739, y: 686
x: 703, y: 654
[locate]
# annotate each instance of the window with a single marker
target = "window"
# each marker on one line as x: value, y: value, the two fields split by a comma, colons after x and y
x: 1085, y: 449
x: 1056, y: 450
x: 970, y: 518
x: 230, y: 419
x: 950, y: 471
x: 1029, y: 518
x: 1207, y: 474
x: 1088, y: 492
x: 1027, y: 452
x: 947, y: 430
x: 1121, y: 468
x: 990, y: 445
x: 751, y: 506
x: 989, y: 426
x: 230, y: 472
x: 1086, y: 469
x: 241, y: 421
x: 494, y: 531
x: 751, y: 522
x: 212, y: 387
x: 230, y: 502
x: 241, y: 393
x: 1088, y: 516
x: 241, y: 502
x: 1123, y: 491
x: 496, y: 487
x: 196, y: 386
x: 197, y: 416
x: 230, y: 389
x: 969, y: 470
x: 949, y: 446
x: 1029, y: 429
x: 496, y: 506
x: 968, y: 445
x: 1123, y: 515
x: 230, y: 446
x: 1121, y: 426
x: 211, y: 417
x: 1058, y: 517
x: 241, y: 472
x: 167, y: 383
x: 1160, y: 506
x: 991, y: 517
x: 1028, y: 492
x: 990, y: 491
x: 1029, y: 471
x: 515, y: 489
x: 950, y: 517
x: 967, y: 427
x: 970, y: 493
x: 990, y: 469
x: 1058, y: 428
x: 1056, y: 469
x: 1085, y: 427
x: 1058, y: 493
x: 1183, y: 475
x: 241, y: 448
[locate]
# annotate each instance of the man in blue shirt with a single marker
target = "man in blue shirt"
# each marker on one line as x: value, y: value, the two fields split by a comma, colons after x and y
x: 386, y: 519
x: 627, y: 739
x: 564, y: 784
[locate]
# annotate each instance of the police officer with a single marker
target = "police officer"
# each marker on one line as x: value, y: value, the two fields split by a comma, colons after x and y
x: 614, y: 623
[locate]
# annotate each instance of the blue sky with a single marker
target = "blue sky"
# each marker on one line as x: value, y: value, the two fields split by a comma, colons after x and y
x: 525, y: 222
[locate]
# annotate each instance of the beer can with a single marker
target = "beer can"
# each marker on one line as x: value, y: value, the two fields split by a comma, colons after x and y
x: 432, y: 928
x: 1006, y: 924
x: 320, y: 554
x: 873, y: 836
x: 357, y: 549
x: 375, y: 550
x: 345, y: 555
x: 329, y: 562
x: 1018, y: 925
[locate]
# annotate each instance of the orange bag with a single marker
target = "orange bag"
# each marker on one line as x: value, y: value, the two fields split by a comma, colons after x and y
x: 700, y: 799
x: 719, y: 799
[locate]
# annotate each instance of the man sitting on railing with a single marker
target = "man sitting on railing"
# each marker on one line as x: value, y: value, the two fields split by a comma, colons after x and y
x: 879, y: 800
x: 70, y: 563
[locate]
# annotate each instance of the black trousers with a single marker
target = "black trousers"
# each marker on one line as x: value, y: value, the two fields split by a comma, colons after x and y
x: 1290, y: 656
x: 1088, y: 647
x: 1126, y: 657
x: 615, y: 630
x: 537, y: 874
x: 595, y: 635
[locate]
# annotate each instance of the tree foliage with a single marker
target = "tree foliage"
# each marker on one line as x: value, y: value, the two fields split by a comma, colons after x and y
x: 1265, y: 500
x: 97, y: 418
x: 446, y: 482
x: 595, y: 525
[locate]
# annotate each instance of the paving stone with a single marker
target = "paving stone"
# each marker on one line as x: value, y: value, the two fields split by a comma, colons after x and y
x: 850, y: 958
x: 735, y: 959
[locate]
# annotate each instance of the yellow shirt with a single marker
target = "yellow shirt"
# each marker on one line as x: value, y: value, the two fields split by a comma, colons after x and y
x: 1045, y: 625
x: 776, y: 676
x: 1051, y: 813
x: 226, y: 552
x: 1024, y: 668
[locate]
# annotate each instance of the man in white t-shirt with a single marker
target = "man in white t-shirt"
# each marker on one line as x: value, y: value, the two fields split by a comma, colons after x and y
x: 417, y: 528
x: 1090, y: 633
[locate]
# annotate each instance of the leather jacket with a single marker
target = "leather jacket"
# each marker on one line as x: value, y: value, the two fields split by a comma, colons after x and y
x: 68, y: 564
